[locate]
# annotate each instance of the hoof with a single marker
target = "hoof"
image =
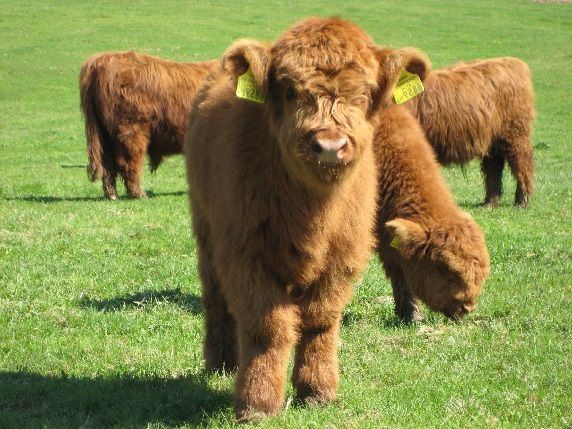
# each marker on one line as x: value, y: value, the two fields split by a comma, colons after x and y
x: 250, y: 416
x: 522, y: 204
x: 317, y: 399
x: 140, y: 195
x: 410, y: 313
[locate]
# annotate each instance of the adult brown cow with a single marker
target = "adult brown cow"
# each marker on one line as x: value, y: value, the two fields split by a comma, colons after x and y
x: 283, y: 197
x: 134, y: 104
x: 482, y: 109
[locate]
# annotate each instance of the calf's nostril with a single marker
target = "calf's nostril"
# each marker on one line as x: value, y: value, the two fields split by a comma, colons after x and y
x: 316, y: 148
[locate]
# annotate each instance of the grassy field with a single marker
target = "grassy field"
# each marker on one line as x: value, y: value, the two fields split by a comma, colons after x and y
x: 100, y: 314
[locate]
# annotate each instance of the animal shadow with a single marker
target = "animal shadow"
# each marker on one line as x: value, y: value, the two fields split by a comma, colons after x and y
x: 188, y: 302
x: 45, y: 199
x: 58, y: 401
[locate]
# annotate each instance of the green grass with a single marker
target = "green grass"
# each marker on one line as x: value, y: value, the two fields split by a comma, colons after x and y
x: 100, y: 317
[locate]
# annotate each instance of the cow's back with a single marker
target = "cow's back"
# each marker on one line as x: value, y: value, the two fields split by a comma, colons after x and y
x: 467, y: 106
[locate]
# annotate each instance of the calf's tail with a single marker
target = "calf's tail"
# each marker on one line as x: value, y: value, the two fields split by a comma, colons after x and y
x: 94, y: 130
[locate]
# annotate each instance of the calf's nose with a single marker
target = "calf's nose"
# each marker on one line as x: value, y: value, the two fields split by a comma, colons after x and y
x: 330, y: 146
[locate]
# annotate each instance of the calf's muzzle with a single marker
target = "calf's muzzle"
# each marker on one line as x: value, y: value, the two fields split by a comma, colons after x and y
x: 330, y: 146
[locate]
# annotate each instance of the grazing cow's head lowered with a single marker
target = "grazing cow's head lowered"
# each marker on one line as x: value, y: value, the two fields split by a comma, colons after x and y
x: 446, y: 266
x: 323, y: 80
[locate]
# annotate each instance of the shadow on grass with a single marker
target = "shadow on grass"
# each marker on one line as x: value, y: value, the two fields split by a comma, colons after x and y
x: 35, y: 400
x: 74, y: 166
x: 471, y: 204
x: 147, y: 298
x: 506, y: 202
x: 51, y: 199
x: 44, y: 199
x: 389, y: 322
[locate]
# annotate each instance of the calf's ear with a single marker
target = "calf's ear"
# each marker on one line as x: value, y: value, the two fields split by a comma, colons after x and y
x: 244, y: 54
x: 393, y: 62
x: 406, y: 236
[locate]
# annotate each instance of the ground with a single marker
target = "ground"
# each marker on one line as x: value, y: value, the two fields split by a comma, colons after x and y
x: 100, y: 316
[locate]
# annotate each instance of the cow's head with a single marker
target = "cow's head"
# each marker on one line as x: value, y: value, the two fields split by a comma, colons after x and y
x: 445, y: 266
x: 323, y: 81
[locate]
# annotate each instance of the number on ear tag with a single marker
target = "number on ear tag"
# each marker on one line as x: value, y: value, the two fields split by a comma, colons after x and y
x: 248, y: 89
x: 408, y: 86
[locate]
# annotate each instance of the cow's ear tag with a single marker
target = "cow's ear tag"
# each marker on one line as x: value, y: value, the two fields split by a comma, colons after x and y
x: 394, y: 242
x: 408, y: 86
x: 248, y: 89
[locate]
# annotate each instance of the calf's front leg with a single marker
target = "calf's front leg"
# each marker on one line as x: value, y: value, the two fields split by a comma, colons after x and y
x: 315, y: 374
x: 265, y: 340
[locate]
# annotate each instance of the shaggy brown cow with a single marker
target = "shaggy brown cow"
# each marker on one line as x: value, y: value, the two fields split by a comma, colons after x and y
x: 283, y: 202
x: 482, y: 109
x: 134, y: 104
x: 430, y: 249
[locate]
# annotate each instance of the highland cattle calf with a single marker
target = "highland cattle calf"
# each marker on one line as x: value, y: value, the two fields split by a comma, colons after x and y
x: 430, y: 249
x: 482, y: 109
x: 282, y: 192
x: 134, y: 104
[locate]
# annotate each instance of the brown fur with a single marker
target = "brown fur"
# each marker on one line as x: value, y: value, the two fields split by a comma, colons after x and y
x: 482, y: 109
x: 441, y: 256
x: 134, y: 104
x: 283, y: 222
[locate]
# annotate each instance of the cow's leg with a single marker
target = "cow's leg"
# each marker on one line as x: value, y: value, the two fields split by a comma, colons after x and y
x: 109, y: 177
x: 220, y: 337
x: 407, y: 308
x: 520, y: 160
x: 266, y: 336
x: 220, y: 328
x: 316, y: 374
x: 492, y: 166
x: 131, y: 157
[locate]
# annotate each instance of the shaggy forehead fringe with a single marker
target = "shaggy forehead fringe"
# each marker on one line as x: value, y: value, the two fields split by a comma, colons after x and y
x: 327, y: 44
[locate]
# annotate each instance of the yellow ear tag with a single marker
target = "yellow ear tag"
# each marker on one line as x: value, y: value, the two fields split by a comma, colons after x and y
x: 248, y: 89
x: 394, y: 242
x: 408, y: 86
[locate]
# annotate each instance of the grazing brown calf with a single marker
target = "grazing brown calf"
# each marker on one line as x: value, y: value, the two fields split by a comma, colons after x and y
x: 283, y: 196
x: 134, y: 104
x: 482, y: 109
x: 430, y: 249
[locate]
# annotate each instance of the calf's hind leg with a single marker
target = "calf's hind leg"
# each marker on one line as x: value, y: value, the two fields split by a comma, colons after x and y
x: 492, y: 166
x: 220, y: 337
x: 131, y: 157
x: 109, y: 177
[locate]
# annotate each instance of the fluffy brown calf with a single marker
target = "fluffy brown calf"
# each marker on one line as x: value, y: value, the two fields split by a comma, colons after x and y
x: 134, y: 104
x: 283, y: 202
x: 482, y: 109
x: 430, y: 249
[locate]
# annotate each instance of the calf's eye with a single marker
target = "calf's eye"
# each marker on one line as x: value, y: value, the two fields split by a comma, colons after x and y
x: 290, y: 93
